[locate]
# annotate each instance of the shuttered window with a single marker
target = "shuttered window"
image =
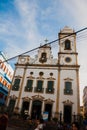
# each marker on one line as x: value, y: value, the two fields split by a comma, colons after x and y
x: 68, y: 88
x: 68, y: 85
x: 29, y: 85
x: 16, y: 84
x: 39, y: 84
x: 50, y: 86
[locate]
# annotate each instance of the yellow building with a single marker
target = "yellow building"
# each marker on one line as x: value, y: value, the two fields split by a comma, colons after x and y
x: 85, y: 101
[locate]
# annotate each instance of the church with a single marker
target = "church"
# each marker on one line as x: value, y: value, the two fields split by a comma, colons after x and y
x: 45, y: 84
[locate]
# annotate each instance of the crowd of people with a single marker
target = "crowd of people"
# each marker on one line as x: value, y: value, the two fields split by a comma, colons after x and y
x: 41, y: 125
x: 44, y: 125
x: 3, y: 121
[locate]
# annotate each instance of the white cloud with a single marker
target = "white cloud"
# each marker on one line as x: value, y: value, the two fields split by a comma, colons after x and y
x: 28, y: 13
x: 22, y: 35
x: 77, y: 9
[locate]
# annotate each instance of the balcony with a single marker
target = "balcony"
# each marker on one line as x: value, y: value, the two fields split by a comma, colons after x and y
x: 50, y: 90
x: 15, y: 87
x: 69, y: 92
x: 28, y: 89
x: 36, y: 89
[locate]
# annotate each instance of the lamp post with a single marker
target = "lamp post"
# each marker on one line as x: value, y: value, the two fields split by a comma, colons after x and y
x: 60, y: 116
x: 74, y: 116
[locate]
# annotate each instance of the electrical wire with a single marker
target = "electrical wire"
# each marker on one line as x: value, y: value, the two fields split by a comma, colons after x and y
x: 49, y: 43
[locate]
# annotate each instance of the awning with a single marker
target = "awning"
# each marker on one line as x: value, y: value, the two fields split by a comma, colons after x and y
x: 2, y: 90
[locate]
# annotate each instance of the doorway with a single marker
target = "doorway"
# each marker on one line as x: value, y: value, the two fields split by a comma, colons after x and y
x: 25, y: 107
x: 67, y: 113
x: 48, y: 108
x: 36, y: 109
x: 11, y: 105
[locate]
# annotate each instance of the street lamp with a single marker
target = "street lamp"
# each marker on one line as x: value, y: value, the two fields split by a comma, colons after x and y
x: 74, y: 116
x: 60, y: 116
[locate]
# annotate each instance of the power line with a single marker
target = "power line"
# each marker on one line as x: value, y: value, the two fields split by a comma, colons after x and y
x: 49, y: 43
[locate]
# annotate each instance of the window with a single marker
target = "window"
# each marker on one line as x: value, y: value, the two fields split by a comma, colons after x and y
x: 39, y: 87
x: 43, y: 57
x: 67, y: 45
x: 50, y: 88
x: 41, y: 73
x: 16, y: 85
x: 67, y: 59
x: 11, y: 105
x: 68, y: 88
x: 29, y: 85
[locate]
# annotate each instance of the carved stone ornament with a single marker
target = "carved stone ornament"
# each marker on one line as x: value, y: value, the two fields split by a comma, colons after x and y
x: 37, y: 97
x: 48, y: 100
x: 26, y: 98
x: 13, y: 97
x: 68, y: 102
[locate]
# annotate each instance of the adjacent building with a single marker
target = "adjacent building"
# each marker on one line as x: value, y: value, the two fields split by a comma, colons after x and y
x: 45, y: 84
x: 85, y: 101
x: 6, y: 74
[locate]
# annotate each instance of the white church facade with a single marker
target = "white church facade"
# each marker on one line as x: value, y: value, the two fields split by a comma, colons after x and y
x: 44, y: 84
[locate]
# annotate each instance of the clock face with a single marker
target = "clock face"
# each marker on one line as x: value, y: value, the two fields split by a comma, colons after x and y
x: 68, y: 59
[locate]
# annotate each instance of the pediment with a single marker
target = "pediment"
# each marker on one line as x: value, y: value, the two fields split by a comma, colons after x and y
x: 68, y: 79
x: 49, y: 100
x: 13, y: 97
x: 37, y: 97
x: 26, y: 98
x: 18, y: 76
x: 68, y: 102
x: 31, y: 77
x: 50, y: 78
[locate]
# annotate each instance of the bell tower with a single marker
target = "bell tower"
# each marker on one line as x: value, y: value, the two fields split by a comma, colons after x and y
x: 68, y: 75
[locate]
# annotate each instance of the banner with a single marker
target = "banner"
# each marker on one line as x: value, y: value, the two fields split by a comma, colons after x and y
x: 45, y: 116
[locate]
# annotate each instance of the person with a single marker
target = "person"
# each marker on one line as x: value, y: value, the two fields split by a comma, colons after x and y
x: 36, y: 126
x: 86, y: 127
x: 74, y: 127
x: 40, y: 126
x: 3, y: 121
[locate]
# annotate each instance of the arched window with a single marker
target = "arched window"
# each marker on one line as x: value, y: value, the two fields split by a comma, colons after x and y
x: 43, y: 55
x: 67, y: 45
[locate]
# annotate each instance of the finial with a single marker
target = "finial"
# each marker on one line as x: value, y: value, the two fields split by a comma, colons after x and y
x: 46, y: 40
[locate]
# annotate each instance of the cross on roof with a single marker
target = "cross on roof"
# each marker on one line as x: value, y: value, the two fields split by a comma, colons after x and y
x: 46, y: 40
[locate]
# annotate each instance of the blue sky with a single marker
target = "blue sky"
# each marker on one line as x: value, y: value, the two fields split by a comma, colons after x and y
x: 25, y: 24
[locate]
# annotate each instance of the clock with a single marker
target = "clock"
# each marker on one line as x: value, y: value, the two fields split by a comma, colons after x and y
x: 68, y: 59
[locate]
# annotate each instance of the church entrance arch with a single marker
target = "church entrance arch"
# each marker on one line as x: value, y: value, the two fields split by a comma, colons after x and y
x: 36, y: 109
